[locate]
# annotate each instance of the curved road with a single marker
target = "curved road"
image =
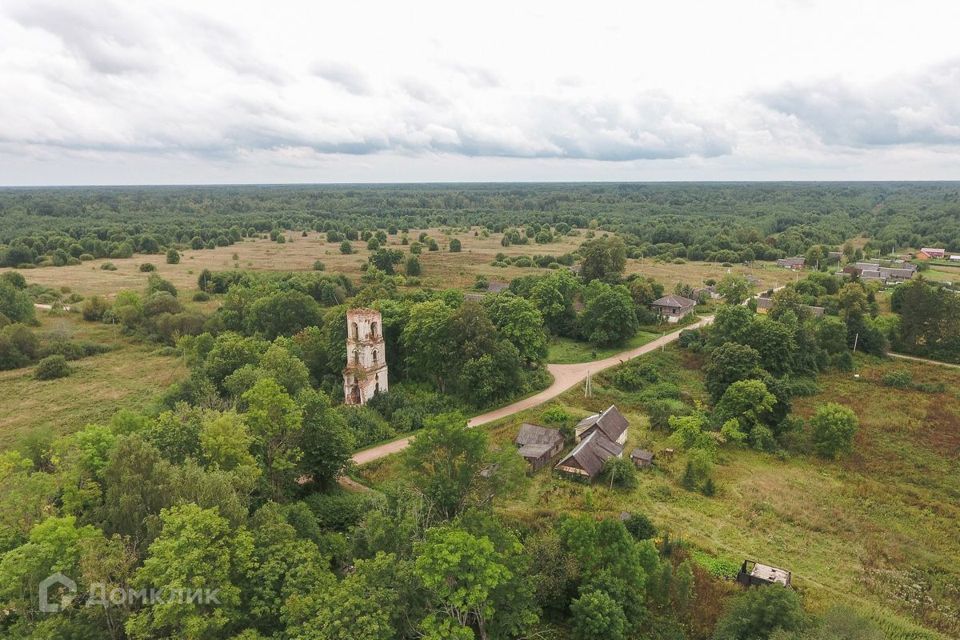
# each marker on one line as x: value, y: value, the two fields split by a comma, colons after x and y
x: 565, y: 376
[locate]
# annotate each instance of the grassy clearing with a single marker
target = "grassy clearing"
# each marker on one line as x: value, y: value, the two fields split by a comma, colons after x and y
x: 880, y: 531
x: 569, y: 351
x: 129, y: 377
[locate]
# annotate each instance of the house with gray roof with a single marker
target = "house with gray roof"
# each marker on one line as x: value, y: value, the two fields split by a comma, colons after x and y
x: 538, y: 444
x: 611, y: 423
x: 672, y: 308
x: 588, y: 457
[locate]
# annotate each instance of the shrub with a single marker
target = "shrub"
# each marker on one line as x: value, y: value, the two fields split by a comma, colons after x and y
x: 620, y: 473
x: 834, y: 426
x: 52, y: 367
x: 900, y: 379
x: 346, y: 248
x: 173, y: 256
x: 758, y: 613
x: 555, y: 415
x: 367, y: 426
x: 635, y: 376
x: 108, y: 266
x: 339, y: 511
x: 319, y: 266
x: 147, y: 267
x: 201, y: 296
x: 640, y: 527
x: 94, y: 308
x: 455, y: 246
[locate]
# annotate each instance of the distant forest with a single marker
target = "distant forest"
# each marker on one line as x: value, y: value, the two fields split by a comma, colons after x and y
x: 697, y: 221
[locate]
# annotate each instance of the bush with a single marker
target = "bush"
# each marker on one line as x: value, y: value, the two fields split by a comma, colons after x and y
x: 834, y: 426
x: 757, y: 613
x: 148, y: 267
x: 900, y: 379
x: 346, y: 248
x: 455, y: 246
x: 367, y: 426
x: 640, y: 527
x: 635, y: 376
x: 620, y: 473
x: 173, y: 256
x: 52, y: 367
x: 319, y: 266
x: 339, y: 511
x: 108, y: 266
x: 95, y: 308
x: 201, y: 296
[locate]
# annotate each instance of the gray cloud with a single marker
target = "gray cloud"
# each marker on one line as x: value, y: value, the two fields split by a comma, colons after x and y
x: 343, y: 75
x: 917, y: 109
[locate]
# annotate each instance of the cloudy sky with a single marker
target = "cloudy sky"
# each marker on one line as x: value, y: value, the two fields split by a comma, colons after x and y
x: 188, y: 91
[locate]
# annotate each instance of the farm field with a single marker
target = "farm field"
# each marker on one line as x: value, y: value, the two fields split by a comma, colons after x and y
x: 880, y: 530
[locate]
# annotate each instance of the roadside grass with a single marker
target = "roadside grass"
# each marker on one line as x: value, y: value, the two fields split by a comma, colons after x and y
x: 570, y: 351
x: 879, y: 531
x: 128, y: 377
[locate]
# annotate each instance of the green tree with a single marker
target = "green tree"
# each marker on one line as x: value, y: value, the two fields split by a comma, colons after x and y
x: 15, y: 303
x: 424, y: 341
x: 197, y: 550
x: 461, y: 572
x: 729, y: 363
x: 455, y: 246
x: 413, y: 267
x: 603, y: 259
x: 734, y: 289
x: 346, y: 248
x: 326, y: 441
x: 750, y: 404
x: 520, y: 322
x: 609, y: 316
x: 276, y: 422
x: 283, y: 313
x: 225, y: 442
x: 756, y: 614
x: 173, y: 256
x: 445, y: 460
x: 553, y: 295
x: 597, y: 615
x: 833, y: 428
x: 386, y: 260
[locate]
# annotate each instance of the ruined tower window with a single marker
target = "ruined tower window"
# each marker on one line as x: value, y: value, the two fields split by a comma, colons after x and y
x: 373, y: 330
x: 356, y: 331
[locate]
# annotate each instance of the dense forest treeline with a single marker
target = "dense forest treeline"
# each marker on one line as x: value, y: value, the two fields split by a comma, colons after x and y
x: 718, y: 221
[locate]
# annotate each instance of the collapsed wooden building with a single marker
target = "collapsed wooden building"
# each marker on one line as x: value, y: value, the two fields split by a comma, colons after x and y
x: 588, y: 457
x: 755, y: 574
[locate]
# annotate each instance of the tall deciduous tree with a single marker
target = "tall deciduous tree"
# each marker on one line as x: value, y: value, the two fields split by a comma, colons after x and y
x: 603, y: 259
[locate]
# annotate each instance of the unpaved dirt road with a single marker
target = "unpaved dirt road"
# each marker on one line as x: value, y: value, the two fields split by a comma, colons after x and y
x: 565, y: 376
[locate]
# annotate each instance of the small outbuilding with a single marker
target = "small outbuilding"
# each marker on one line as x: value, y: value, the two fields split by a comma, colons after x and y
x: 611, y: 423
x: 755, y: 574
x: 538, y: 444
x: 588, y: 457
x: 796, y: 263
x: 642, y: 458
x: 673, y: 308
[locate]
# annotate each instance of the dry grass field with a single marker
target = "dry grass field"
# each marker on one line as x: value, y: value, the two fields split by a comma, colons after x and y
x: 441, y: 269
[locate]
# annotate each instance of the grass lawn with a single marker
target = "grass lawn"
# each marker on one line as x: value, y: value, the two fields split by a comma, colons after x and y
x: 569, y: 351
x: 879, y: 531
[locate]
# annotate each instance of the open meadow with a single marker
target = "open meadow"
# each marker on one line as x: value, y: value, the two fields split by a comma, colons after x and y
x: 879, y: 531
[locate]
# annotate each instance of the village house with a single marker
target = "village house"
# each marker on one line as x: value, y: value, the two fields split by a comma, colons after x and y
x: 642, y: 458
x: 673, y: 308
x: 754, y: 574
x: 928, y: 253
x: 794, y: 263
x: 588, y: 457
x: 537, y: 445
x: 610, y: 423
x: 709, y: 292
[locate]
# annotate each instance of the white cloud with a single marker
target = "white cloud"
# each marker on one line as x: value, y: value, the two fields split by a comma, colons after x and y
x: 228, y: 92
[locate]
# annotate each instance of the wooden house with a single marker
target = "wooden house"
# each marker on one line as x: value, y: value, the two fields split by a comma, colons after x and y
x: 538, y: 444
x: 588, y: 457
x: 611, y: 423
x: 794, y: 264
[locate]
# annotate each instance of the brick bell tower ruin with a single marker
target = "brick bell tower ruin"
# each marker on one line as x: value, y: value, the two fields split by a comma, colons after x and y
x: 366, y: 372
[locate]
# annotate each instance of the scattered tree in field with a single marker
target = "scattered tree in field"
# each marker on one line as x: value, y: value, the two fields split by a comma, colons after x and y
x: 833, y: 428
x: 15, y: 303
x: 173, y: 256
x: 346, y: 248
x: 413, y: 267
x: 455, y: 246
x: 603, y: 259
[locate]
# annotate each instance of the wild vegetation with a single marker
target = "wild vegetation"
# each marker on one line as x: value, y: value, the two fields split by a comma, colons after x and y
x: 172, y: 413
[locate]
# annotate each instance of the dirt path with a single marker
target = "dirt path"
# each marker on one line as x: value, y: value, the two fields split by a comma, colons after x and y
x: 565, y: 376
x: 923, y: 360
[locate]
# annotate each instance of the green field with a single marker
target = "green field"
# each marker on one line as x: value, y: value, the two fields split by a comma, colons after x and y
x: 879, y: 531
x: 569, y: 351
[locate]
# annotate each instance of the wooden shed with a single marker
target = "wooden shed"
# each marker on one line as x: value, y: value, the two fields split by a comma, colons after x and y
x: 587, y: 458
x: 538, y: 444
x: 642, y: 458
